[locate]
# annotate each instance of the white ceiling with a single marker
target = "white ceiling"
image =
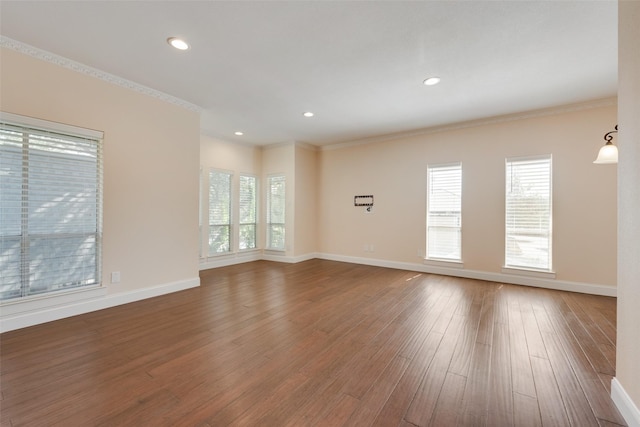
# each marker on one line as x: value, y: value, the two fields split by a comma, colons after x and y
x: 358, y: 65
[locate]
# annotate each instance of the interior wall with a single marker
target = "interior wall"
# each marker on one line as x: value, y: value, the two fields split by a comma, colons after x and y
x: 584, y: 199
x: 628, y: 342
x: 151, y: 150
x: 305, y: 201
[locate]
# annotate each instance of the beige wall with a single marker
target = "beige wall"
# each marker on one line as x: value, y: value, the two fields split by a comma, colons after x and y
x: 151, y: 151
x: 584, y: 211
x: 305, y: 201
x: 628, y: 343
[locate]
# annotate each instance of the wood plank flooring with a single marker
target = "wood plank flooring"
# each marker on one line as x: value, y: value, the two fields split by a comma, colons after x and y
x: 320, y: 343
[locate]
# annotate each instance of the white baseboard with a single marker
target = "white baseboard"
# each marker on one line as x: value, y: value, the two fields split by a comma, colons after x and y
x: 625, y: 405
x: 61, y: 311
x: 289, y: 259
x: 538, y: 281
x: 586, y: 288
x: 225, y: 260
x: 11, y: 321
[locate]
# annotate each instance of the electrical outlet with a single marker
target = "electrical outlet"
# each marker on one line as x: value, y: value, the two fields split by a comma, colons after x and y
x: 115, y: 277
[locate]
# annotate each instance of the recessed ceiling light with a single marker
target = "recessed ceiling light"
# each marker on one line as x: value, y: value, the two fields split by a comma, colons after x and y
x: 432, y: 81
x: 238, y: 133
x: 178, y: 43
x: 308, y: 114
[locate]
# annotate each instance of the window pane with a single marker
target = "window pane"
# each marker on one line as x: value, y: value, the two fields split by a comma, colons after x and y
x: 219, y: 239
x: 247, y: 200
x: 276, y: 236
x: 528, y: 213
x: 11, y: 153
x: 276, y: 213
x: 61, y: 262
x: 247, y: 236
x: 444, y: 213
x: 248, y: 212
x: 219, y: 212
x: 10, y: 267
x: 62, y: 193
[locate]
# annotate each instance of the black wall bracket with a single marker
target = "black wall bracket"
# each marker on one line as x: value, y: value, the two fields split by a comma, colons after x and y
x: 363, y: 200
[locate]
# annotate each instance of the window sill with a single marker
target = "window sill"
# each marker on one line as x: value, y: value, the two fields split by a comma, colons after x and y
x: 220, y: 255
x: 240, y: 252
x: 246, y: 251
x: 275, y: 251
x: 530, y: 272
x: 438, y: 262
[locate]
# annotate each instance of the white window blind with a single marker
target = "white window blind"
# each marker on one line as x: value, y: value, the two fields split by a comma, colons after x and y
x: 219, y: 212
x: 248, y: 212
x: 528, y: 213
x: 50, y: 209
x: 276, y: 212
x: 444, y: 212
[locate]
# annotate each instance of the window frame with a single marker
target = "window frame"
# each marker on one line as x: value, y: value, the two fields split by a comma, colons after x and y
x: 269, y: 224
x: 229, y: 209
x: 517, y: 268
x: 256, y: 201
x: 443, y: 167
x: 38, y: 131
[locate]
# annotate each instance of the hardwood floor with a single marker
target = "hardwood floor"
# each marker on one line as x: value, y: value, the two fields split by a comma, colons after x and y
x: 320, y: 343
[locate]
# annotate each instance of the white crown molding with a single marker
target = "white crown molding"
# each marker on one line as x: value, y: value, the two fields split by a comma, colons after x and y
x: 278, y: 145
x: 307, y: 146
x: 605, y: 102
x: 52, y: 58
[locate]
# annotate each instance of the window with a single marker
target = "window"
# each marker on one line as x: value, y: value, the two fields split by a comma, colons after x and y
x: 528, y: 213
x: 200, y: 198
x: 219, y: 212
x: 50, y: 207
x: 275, y: 212
x: 248, y: 212
x: 444, y: 212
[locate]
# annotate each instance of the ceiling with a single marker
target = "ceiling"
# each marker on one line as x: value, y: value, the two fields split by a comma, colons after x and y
x: 256, y: 67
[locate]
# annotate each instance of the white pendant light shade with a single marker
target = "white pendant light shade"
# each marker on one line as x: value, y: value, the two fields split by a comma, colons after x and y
x: 608, y: 154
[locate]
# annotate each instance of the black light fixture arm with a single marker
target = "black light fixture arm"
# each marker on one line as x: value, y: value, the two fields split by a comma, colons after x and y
x: 609, y: 135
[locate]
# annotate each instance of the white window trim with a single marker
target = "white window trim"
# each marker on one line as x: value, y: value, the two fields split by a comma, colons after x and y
x: 53, y: 126
x: 268, y: 248
x: 524, y: 270
x: 430, y: 260
x: 17, y: 306
x: 232, y: 242
x: 257, y: 248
